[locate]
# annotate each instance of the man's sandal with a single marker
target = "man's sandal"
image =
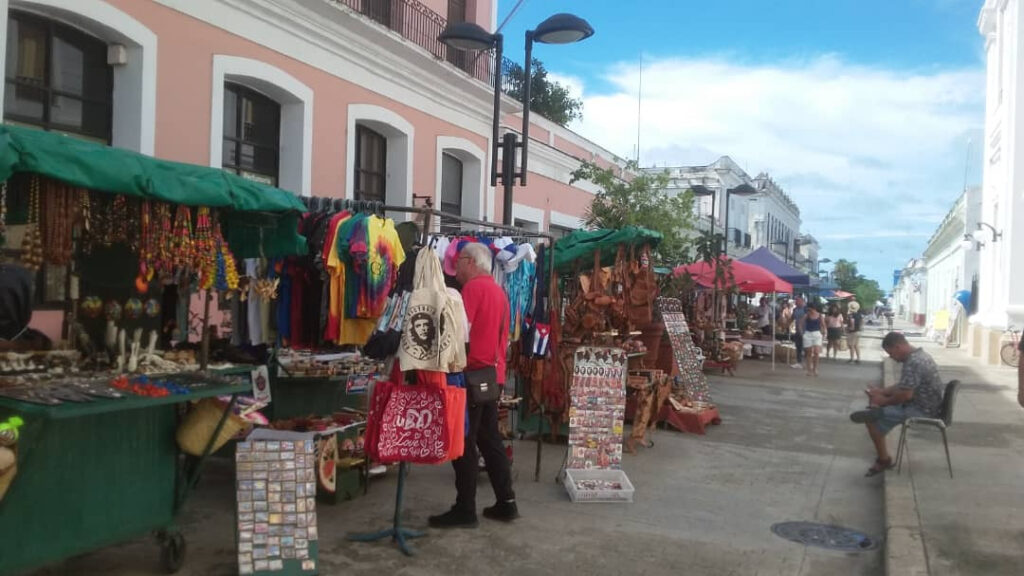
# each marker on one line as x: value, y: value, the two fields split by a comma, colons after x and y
x: 880, y: 466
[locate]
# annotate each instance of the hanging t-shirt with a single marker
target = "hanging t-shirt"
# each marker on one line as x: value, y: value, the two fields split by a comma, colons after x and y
x: 385, y: 255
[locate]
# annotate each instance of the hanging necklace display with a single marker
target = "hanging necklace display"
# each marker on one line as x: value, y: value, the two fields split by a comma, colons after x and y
x: 227, y: 270
x: 205, y: 259
x: 57, y: 220
x: 164, y: 234
x: 119, y: 231
x: 84, y: 219
x: 182, y: 247
x: 146, y: 248
x: 32, y: 244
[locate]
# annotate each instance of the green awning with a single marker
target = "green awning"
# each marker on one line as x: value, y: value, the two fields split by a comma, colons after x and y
x: 107, y: 169
x: 577, y: 249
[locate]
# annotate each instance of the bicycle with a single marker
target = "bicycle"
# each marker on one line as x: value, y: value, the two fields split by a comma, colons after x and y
x: 1009, y: 352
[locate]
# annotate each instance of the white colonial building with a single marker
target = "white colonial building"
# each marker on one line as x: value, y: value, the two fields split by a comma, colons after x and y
x: 1001, y: 226
x: 710, y: 184
x: 910, y: 296
x: 775, y: 219
x: 952, y: 260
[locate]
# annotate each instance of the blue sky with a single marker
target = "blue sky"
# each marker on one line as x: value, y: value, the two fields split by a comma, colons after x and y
x: 863, y: 110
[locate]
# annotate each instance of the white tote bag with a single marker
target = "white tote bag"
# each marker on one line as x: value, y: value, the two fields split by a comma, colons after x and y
x: 429, y: 333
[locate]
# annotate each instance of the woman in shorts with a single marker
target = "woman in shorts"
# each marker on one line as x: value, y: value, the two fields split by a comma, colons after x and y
x: 810, y: 326
x: 834, y: 325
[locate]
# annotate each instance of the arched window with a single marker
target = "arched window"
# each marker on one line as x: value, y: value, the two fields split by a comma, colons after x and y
x: 371, y: 166
x: 252, y: 134
x: 57, y: 78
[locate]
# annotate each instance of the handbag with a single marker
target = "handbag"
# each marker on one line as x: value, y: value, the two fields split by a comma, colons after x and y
x: 482, y: 385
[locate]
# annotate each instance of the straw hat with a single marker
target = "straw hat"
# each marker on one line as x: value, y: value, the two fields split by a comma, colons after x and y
x: 854, y: 306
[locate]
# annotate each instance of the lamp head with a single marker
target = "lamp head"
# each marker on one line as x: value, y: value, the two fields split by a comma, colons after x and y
x: 467, y: 36
x: 562, y: 29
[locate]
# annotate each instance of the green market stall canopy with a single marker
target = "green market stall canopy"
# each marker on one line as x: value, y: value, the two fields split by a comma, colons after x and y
x: 249, y: 210
x: 580, y: 245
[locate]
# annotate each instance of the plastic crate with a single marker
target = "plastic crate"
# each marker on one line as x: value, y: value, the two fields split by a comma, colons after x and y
x: 579, y: 495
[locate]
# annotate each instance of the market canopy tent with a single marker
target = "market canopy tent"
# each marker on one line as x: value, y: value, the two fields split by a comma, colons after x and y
x: 766, y: 259
x: 581, y: 245
x: 251, y: 210
x: 747, y: 277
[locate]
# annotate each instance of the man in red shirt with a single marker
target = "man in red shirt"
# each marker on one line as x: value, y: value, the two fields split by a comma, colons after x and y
x: 487, y: 313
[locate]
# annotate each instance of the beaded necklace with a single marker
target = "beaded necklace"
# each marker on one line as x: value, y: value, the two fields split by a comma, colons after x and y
x: 32, y: 244
x: 3, y: 213
x: 182, y: 246
x: 57, y: 246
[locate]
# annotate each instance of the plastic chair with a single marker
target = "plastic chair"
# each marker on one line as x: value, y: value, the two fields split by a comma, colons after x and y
x: 944, y: 421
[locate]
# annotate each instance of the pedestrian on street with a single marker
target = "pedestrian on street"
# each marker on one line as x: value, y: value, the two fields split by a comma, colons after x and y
x: 810, y: 327
x: 834, y: 326
x: 764, y: 317
x: 854, y: 325
x: 487, y: 313
x: 798, y: 335
x: 917, y: 394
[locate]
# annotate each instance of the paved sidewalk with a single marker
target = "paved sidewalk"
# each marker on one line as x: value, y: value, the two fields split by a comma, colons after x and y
x: 704, y: 504
x: 973, y: 523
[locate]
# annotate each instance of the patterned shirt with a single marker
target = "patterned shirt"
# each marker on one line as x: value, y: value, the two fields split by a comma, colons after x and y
x: 921, y: 374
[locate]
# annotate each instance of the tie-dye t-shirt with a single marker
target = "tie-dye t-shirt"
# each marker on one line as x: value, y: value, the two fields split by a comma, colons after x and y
x: 385, y: 255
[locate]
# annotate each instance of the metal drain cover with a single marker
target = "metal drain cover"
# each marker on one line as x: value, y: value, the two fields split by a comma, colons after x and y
x: 825, y: 536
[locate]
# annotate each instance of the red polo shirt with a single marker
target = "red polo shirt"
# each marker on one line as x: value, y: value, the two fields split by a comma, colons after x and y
x: 487, y: 311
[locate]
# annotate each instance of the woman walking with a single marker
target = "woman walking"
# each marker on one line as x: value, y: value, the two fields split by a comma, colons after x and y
x: 853, y: 329
x: 834, y: 325
x: 810, y: 326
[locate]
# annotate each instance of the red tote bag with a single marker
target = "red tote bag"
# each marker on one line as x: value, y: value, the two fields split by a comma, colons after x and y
x: 414, y: 426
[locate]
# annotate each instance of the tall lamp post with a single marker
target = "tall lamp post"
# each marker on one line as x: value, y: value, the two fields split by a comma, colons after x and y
x: 741, y: 190
x: 558, y: 29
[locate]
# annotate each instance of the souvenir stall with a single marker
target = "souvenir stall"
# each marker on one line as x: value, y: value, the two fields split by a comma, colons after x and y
x: 723, y: 345
x: 603, y: 292
x: 93, y: 405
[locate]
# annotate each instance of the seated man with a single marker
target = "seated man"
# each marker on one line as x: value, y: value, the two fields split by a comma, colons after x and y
x: 917, y: 394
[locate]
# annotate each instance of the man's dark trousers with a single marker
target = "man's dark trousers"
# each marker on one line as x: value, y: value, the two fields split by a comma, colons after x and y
x: 798, y: 340
x: 483, y: 433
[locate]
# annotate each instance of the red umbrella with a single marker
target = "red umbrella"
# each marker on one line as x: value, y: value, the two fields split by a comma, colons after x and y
x: 747, y: 277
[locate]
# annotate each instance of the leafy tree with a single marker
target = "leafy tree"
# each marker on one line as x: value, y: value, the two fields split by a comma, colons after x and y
x: 547, y: 97
x: 641, y: 200
x: 846, y: 276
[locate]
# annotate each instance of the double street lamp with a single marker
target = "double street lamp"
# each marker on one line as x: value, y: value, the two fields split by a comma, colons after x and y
x: 558, y: 29
x: 741, y: 190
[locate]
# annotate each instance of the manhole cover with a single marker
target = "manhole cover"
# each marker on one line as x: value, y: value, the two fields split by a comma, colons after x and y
x: 825, y: 536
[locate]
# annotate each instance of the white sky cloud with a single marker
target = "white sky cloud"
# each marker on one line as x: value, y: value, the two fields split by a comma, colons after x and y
x: 865, y: 152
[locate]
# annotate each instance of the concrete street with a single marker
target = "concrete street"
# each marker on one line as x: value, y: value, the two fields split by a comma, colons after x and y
x: 704, y: 504
x: 974, y: 523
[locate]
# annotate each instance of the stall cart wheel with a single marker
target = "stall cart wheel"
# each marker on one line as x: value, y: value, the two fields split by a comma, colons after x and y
x: 172, y: 551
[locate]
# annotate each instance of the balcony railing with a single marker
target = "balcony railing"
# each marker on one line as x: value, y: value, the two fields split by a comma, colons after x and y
x: 421, y: 25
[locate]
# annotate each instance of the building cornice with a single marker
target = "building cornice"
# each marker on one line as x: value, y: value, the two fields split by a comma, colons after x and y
x: 337, y: 41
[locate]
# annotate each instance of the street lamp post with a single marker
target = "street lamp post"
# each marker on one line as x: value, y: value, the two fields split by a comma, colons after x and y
x: 558, y: 29
x: 741, y: 190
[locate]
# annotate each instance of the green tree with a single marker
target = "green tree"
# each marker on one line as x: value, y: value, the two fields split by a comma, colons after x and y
x: 547, y: 97
x: 640, y: 200
x: 846, y: 276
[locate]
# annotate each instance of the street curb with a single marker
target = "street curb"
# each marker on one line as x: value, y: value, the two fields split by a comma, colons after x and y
x: 904, y: 543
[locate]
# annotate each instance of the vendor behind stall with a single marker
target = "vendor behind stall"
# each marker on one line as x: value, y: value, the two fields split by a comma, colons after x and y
x: 16, y: 311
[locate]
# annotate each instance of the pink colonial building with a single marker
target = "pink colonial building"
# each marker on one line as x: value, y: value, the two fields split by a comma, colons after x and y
x: 339, y: 98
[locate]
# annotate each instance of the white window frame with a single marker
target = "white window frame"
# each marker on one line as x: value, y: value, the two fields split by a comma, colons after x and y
x: 295, y: 164
x: 531, y: 215
x: 473, y: 177
x: 565, y: 221
x: 400, y: 136
x: 133, y: 124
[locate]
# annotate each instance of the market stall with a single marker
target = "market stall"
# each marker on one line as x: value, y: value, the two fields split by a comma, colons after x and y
x: 722, y: 277
x: 122, y: 241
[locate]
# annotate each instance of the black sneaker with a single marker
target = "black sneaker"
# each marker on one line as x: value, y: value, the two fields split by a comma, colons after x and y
x: 503, y: 511
x: 453, y: 518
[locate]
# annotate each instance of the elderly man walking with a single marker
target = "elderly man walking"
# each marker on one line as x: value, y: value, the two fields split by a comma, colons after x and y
x: 487, y: 313
x: 917, y: 394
